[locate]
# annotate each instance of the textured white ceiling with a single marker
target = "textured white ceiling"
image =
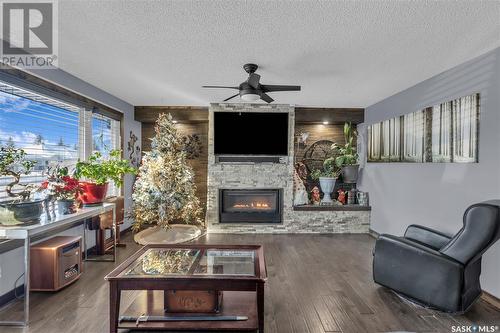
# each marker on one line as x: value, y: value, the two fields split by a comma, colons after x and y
x: 344, y: 54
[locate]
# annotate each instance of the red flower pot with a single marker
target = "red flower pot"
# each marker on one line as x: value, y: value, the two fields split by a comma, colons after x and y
x: 93, y: 194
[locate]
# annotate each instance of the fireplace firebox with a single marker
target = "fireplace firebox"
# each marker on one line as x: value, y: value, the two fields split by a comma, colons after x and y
x: 250, y: 206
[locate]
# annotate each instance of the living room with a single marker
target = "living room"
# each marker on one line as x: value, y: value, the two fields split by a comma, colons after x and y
x: 278, y: 166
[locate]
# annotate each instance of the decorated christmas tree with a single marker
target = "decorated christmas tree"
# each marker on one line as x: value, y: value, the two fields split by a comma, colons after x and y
x: 164, y: 191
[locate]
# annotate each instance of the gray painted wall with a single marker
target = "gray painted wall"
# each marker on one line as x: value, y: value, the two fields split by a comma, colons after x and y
x: 11, y: 263
x: 436, y: 194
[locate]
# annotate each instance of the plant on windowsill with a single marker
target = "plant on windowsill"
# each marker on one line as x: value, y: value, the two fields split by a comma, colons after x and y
x: 97, y: 172
x: 22, y: 208
x: 347, y: 158
x: 327, y: 178
x: 62, y: 187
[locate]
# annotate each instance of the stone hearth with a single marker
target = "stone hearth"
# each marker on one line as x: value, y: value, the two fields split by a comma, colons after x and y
x: 239, y: 175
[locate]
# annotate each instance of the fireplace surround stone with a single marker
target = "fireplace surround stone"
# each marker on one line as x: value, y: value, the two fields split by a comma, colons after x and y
x: 250, y: 175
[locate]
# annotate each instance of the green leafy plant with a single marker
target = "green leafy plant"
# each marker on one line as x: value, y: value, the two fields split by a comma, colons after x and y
x: 347, y: 154
x: 101, y: 170
x: 13, y: 163
x: 330, y: 169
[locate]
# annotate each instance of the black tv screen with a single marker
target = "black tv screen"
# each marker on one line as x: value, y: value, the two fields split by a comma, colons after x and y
x: 250, y: 133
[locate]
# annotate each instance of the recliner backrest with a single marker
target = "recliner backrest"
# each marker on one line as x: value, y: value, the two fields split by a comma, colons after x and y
x: 481, y: 230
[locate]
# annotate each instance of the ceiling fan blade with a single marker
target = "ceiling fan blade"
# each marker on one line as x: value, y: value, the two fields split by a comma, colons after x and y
x: 253, y: 80
x: 266, y: 98
x: 272, y: 87
x: 227, y: 99
x: 221, y: 87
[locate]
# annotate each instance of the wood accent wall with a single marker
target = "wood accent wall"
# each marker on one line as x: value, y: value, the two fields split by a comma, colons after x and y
x: 190, y: 114
x: 317, y: 132
x: 331, y: 115
x: 183, y: 114
x: 194, y: 120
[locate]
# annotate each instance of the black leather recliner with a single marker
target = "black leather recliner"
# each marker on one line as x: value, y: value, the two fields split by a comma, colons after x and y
x: 434, y: 269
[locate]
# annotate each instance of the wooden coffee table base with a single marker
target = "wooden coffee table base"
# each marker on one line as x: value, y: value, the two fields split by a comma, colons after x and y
x: 202, y: 267
x: 236, y: 303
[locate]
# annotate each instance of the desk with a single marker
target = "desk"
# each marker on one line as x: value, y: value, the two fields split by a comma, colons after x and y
x: 45, y: 226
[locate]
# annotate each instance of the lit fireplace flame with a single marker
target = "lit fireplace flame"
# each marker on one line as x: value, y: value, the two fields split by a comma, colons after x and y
x: 257, y: 205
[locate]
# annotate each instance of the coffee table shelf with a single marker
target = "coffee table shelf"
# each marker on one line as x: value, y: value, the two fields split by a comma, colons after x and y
x: 236, y: 303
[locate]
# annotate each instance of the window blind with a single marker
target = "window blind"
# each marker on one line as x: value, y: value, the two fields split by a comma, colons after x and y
x: 46, y: 129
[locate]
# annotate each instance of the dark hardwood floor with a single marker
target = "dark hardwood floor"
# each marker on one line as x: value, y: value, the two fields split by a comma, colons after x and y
x: 316, y: 284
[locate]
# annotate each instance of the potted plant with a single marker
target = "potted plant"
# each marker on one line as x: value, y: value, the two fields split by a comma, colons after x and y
x: 327, y: 178
x: 63, y: 188
x: 13, y: 163
x: 97, y: 172
x: 347, y: 158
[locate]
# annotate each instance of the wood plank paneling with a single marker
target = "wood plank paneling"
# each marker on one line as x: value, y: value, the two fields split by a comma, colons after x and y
x: 302, y: 114
x: 317, y: 132
x: 183, y: 114
x: 332, y: 115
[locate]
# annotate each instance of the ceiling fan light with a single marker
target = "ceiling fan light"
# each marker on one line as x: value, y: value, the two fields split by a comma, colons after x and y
x: 250, y: 97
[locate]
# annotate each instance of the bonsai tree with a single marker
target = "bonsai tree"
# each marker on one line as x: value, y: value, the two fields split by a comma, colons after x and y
x: 164, y: 191
x: 13, y: 163
x: 100, y: 170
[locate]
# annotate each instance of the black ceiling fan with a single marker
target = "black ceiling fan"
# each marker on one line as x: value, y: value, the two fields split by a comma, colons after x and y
x: 251, y: 89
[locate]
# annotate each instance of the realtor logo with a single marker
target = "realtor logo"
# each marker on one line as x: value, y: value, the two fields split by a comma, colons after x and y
x: 29, y: 33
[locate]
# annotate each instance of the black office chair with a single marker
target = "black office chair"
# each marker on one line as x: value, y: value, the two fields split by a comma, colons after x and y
x: 434, y: 269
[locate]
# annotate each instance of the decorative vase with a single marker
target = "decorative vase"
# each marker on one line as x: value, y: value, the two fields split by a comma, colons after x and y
x: 327, y: 185
x: 25, y: 211
x: 65, y: 207
x: 350, y: 173
x: 93, y: 194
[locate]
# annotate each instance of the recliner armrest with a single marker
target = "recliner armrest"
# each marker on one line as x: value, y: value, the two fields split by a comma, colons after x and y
x: 432, y: 238
x: 417, y: 271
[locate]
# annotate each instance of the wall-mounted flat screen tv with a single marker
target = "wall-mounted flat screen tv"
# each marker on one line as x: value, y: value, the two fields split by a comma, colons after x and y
x: 250, y: 133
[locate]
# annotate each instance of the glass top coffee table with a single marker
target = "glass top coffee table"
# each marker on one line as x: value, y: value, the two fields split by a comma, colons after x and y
x: 238, y: 271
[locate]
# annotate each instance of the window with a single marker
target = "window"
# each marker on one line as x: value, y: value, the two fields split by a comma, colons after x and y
x: 106, y: 137
x: 51, y: 132
x: 47, y: 131
x: 105, y: 134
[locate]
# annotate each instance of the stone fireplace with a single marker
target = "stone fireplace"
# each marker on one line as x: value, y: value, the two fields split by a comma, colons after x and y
x: 250, y: 206
x: 227, y: 212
